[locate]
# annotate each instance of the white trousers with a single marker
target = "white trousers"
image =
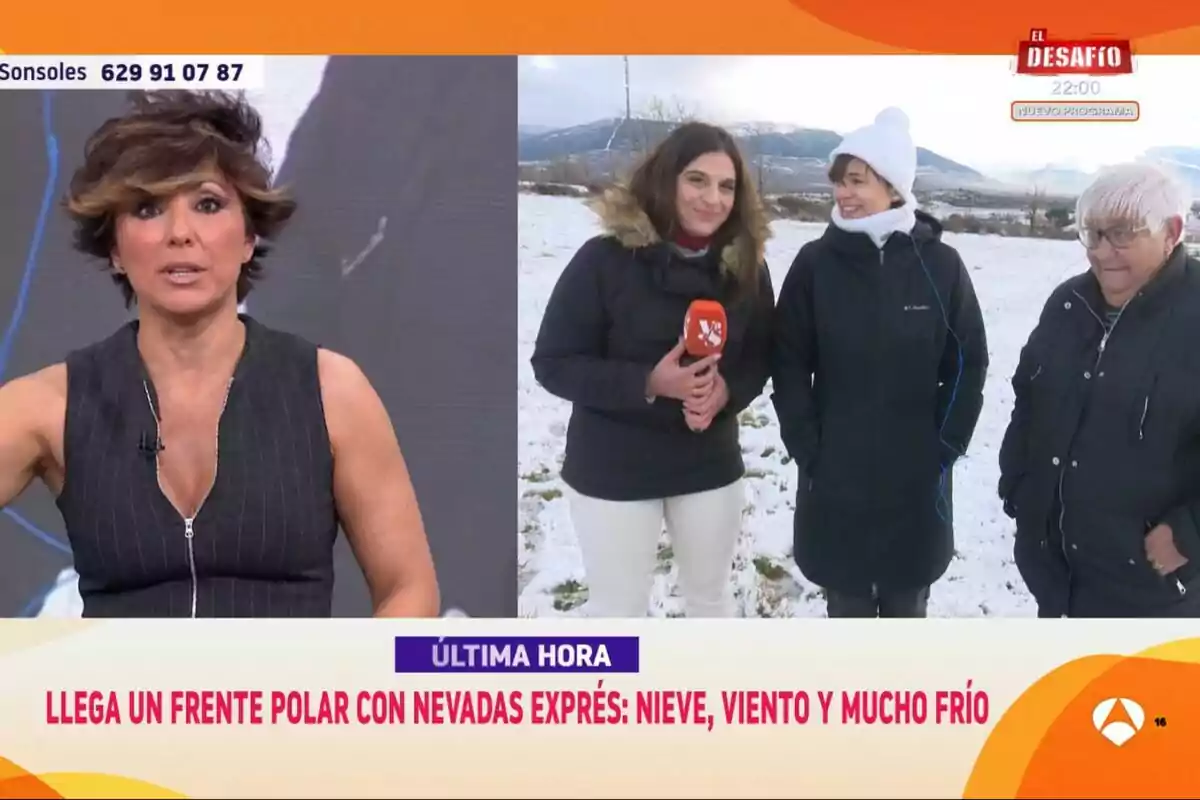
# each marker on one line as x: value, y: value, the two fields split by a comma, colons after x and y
x: 619, y: 544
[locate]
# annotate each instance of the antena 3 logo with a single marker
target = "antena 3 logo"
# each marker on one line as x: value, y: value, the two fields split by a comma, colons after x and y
x: 1118, y: 719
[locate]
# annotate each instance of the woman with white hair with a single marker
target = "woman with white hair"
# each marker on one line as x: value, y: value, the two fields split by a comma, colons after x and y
x: 880, y: 357
x: 1100, y: 466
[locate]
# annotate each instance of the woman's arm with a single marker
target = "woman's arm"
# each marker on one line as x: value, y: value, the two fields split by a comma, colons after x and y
x: 569, y: 358
x: 963, y: 370
x: 1014, y: 445
x: 374, y: 494
x: 749, y: 375
x: 793, y: 363
x: 27, y: 406
x: 741, y: 379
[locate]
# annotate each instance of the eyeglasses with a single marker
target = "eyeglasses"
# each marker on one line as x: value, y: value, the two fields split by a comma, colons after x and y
x: 1119, y: 236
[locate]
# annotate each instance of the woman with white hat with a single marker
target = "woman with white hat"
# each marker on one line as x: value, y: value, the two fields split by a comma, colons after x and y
x: 879, y: 363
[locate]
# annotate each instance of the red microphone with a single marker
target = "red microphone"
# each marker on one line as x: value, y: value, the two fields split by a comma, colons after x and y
x: 704, y: 328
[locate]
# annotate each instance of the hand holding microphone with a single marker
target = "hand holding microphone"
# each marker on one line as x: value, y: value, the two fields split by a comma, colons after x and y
x: 704, y: 328
x: 700, y: 412
x: 703, y: 339
x: 704, y: 332
x: 671, y: 378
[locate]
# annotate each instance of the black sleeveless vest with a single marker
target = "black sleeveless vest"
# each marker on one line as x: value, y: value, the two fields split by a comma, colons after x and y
x: 261, y: 544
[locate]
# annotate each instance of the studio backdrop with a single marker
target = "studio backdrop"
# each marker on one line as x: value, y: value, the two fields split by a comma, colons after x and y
x: 400, y: 256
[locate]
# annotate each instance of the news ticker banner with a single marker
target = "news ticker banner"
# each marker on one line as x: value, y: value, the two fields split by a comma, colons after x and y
x: 659, y: 708
x: 551, y: 26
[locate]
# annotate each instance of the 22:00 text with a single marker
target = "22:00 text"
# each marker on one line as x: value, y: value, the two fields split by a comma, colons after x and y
x: 1080, y: 88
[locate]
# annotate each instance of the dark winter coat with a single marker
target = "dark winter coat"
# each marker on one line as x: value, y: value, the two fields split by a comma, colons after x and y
x: 1109, y: 422
x: 879, y: 364
x: 616, y: 310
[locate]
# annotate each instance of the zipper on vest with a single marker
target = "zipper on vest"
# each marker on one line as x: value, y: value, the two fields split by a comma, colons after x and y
x: 189, y: 533
x: 189, y: 530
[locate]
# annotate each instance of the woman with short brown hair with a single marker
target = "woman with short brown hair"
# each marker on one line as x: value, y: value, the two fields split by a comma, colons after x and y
x: 202, y: 461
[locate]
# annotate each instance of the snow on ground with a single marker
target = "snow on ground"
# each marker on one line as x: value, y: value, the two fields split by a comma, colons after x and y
x: 1012, y: 276
x: 941, y: 210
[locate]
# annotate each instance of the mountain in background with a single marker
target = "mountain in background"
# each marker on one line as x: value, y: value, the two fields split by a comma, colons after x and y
x: 1185, y: 161
x: 793, y: 159
x: 1059, y: 179
x: 788, y: 158
x: 1051, y: 179
x: 531, y: 130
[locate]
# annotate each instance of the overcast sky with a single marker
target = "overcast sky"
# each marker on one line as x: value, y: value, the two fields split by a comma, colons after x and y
x: 959, y: 105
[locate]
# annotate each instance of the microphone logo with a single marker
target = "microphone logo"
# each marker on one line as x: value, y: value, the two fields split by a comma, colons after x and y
x: 704, y: 328
x: 712, y: 332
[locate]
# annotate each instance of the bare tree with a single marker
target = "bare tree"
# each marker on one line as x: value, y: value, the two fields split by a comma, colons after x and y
x: 1059, y: 216
x: 656, y: 120
x: 1035, y: 206
x: 753, y: 150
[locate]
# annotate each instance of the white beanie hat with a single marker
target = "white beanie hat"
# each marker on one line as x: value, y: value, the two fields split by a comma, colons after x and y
x: 887, y: 147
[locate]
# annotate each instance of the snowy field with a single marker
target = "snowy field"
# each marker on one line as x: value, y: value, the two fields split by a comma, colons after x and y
x: 942, y: 210
x: 1013, y: 277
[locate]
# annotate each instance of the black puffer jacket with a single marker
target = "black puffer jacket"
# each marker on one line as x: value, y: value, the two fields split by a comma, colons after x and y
x: 1109, y: 422
x: 616, y: 310
x: 879, y: 364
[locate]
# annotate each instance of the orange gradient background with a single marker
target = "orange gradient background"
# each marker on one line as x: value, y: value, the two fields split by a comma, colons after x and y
x: 1047, y: 746
x: 18, y: 784
x: 617, y: 26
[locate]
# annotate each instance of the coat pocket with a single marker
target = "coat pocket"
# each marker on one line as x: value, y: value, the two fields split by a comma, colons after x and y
x: 1167, y: 407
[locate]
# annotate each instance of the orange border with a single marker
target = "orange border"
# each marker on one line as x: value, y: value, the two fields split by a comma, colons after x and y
x: 487, y: 27
x: 1012, y: 110
x: 1045, y: 744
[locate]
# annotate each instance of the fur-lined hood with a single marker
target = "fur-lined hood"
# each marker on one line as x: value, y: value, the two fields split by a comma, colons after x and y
x: 623, y: 219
